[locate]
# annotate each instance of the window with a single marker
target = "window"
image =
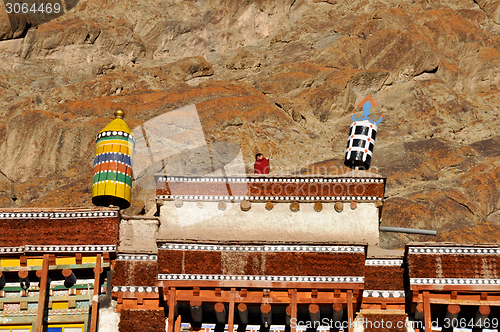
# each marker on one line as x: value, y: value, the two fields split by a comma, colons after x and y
x: 19, y: 328
x: 64, y: 328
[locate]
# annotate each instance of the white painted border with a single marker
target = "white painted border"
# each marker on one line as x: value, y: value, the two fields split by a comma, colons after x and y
x: 220, y: 277
x: 266, y: 248
x: 454, y: 281
x: 384, y: 262
x: 133, y: 289
x: 453, y: 251
x: 270, y: 198
x: 268, y: 179
x: 134, y: 257
x: 70, y: 248
x: 384, y: 294
x: 58, y: 215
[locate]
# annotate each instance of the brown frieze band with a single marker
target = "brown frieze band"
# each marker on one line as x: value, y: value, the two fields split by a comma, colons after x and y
x: 270, y: 188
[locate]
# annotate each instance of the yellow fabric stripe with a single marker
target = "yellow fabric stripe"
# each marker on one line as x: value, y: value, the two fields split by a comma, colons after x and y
x: 120, y: 191
x: 116, y: 189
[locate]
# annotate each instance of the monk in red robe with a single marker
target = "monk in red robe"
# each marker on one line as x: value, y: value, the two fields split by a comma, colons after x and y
x: 261, y: 165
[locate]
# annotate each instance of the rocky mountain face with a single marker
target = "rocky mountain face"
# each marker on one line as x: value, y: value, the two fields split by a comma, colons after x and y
x: 282, y: 77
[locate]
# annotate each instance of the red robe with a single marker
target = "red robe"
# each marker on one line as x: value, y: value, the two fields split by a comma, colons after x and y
x: 261, y: 167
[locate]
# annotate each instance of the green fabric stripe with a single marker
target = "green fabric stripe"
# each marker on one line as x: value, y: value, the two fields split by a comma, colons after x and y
x: 121, y: 177
x: 112, y: 175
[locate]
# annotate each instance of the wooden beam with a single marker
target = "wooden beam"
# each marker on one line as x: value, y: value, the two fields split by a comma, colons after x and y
x: 458, y: 288
x: 230, y: 319
x: 350, y: 309
x: 293, y: 316
x: 243, y: 312
x: 261, y: 284
x: 338, y: 311
x: 452, y: 311
x: 42, y: 293
x: 220, y: 312
x: 427, y: 311
x: 51, y: 267
x: 419, y: 312
x: 467, y: 298
x: 266, y: 314
x: 196, y: 311
x: 69, y: 276
x: 37, y: 299
x: 314, y: 313
x: 31, y: 320
x: 256, y: 297
x: 24, y: 279
x: 171, y: 308
x: 95, y: 298
x: 482, y: 315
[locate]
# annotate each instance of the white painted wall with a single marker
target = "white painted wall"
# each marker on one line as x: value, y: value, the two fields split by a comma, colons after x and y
x: 203, y: 221
x: 108, y: 319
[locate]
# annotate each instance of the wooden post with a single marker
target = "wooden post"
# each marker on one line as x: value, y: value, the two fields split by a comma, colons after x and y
x: 293, y: 316
x: 419, y: 312
x: 427, y: 311
x: 452, y: 311
x: 23, y: 278
x: 230, y: 319
x: 288, y: 312
x: 178, y: 324
x: 350, y: 313
x: 482, y: 314
x: 95, y: 298
x: 339, y: 206
x: 245, y: 205
x: 3, y: 281
x: 43, y: 293
x: 196, y: 311
x: 318, y: 206
x: 338, y: 312
x: 171, y: 309
x: 220, y: 312
x: 69, y: 276
x: 266, y: 314
x: 314, y: 314
x: 222, y: 206
x: 295, y: 206
x: 243, y: 312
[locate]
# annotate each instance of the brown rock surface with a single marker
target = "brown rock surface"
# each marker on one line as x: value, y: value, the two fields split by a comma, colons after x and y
x: 281, y: 77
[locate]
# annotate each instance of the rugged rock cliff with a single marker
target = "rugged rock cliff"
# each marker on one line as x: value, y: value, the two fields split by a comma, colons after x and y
x: 282, y: 77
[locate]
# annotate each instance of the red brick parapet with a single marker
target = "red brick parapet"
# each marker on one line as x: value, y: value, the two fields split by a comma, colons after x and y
x: 57, y: 227
x: 271, y: 188
x: 457, y: 261
x: 384, y: 274
x: 279, y: 260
